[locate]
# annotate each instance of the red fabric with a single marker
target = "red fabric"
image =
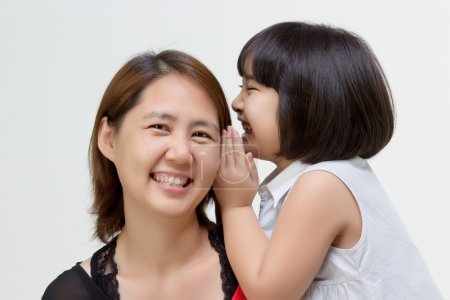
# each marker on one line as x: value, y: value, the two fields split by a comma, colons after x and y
x: 239, y: 294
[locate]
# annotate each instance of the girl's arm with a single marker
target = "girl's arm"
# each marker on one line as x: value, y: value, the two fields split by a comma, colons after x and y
x: 313, y: 216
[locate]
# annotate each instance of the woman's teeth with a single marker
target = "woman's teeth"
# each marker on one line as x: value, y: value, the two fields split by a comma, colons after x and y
x: 170, y: 180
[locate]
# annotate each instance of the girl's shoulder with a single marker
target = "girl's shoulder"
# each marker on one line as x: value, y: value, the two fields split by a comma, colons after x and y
x: 319, y: 182
x: 352, y: 174
x: 327, y: 197
x: 338, y: 166
x: 332, y: 181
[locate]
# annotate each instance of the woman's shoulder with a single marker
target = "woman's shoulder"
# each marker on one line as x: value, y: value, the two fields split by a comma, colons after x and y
x: 74, y: 283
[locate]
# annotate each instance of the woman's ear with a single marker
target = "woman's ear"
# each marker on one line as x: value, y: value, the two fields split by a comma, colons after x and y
x: 106, y: 139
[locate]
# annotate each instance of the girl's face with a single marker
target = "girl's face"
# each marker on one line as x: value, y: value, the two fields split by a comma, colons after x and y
x: 257, y: 109
x: 166, y: 151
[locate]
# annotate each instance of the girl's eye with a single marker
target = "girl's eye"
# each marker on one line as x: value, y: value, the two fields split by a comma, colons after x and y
x: 247, y: 87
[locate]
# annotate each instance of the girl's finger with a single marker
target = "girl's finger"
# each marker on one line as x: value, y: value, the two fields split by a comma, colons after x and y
x: 229, y: 152
x: 251, y: 165
x: 223, y: 157
x: 238, y: 148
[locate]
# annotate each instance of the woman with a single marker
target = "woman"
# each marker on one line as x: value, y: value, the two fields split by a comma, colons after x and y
x: 153, y: 156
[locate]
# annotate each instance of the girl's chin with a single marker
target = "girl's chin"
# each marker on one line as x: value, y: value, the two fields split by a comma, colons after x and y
x: 246, y: 138
x: 249, y: 147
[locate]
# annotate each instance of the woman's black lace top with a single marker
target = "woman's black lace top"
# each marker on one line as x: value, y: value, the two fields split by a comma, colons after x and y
x: 103, y: 284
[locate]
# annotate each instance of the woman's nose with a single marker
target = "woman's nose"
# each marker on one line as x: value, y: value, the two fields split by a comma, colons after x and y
x: 179, y: 151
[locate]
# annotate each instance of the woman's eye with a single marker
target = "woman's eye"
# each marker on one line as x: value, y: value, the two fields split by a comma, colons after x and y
x: 159, y: 127
x: 201, y: 135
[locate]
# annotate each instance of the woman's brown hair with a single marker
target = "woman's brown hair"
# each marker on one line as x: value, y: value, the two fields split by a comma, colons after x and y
x: 120, y: 96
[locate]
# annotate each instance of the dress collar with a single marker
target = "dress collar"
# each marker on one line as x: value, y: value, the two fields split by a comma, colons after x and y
x: 282, y: 182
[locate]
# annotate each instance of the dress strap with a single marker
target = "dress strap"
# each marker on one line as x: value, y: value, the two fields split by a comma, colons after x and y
x: 104, y: 270
x: 229, y: 281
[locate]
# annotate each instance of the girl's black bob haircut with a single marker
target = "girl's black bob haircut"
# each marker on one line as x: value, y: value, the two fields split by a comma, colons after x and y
x: 334, y: 100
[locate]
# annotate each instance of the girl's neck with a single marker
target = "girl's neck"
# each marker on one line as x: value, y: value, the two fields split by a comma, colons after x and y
x: 281, y: 164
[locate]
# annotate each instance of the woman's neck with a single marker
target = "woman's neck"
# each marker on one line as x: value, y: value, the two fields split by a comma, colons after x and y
x: 149, y: 245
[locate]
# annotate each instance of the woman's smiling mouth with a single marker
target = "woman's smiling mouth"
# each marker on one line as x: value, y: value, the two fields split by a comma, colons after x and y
x: 171, y: 180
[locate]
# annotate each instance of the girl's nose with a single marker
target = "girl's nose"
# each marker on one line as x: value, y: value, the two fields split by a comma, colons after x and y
x: 237, y: 104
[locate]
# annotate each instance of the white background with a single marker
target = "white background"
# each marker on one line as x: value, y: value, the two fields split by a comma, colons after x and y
x: 56, y: 58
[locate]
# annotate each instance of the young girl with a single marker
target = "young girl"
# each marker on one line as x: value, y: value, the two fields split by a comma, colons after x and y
x: 315, y: 102
x: 153, y: 158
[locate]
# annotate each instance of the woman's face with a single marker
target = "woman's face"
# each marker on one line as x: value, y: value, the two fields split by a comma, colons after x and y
x: 167, y: 148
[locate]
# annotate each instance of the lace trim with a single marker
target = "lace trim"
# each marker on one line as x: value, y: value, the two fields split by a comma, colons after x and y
x: 229, y: 281
x: 104, y: 268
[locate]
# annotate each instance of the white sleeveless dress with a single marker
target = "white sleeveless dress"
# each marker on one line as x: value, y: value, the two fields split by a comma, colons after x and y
x: 384, y: 263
